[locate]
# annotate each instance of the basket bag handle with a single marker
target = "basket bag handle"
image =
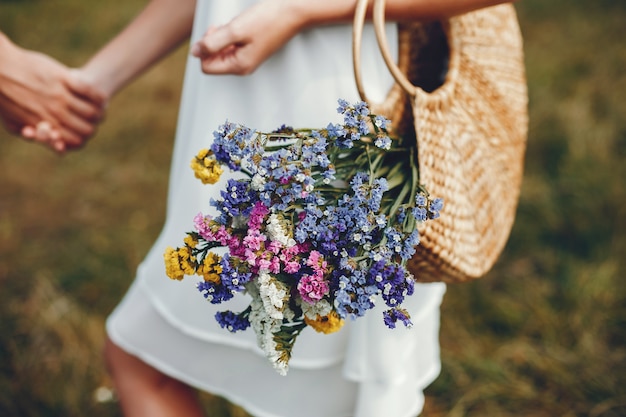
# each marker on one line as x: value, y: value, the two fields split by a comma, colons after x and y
x: 379, y: 27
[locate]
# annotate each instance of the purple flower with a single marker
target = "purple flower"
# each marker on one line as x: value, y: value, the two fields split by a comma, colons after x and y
x: 236, y: 199
x: 234, y: 277
x: 214, y: 293
x: 231, y: 321
x: 390, y: 317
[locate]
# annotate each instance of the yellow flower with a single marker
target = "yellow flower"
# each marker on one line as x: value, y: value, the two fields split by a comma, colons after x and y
x: 179, y: 262
x: 190, y: 241
x: 326, y: 324
x: 172, y: 264
x: 187, y: 262
x: 211, y: 268
x: 206, y: 168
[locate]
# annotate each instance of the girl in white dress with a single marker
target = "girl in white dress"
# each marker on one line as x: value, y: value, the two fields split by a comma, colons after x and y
x: 163, y: 341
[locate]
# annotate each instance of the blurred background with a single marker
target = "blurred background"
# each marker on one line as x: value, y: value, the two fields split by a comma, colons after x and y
x: 542, y: 335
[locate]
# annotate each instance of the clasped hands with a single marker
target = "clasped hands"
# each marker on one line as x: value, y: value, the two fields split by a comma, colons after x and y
x: 44, y: 101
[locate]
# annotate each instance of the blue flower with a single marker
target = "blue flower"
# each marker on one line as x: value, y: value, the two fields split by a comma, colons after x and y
x: 409, y: 244
x: 343, y: 106
x: 233, y: 144
x: 420, y: 213
x: 335, y: 130
x: 382, y: 122
x: 383, y: 142
x: 363, y: 127
x: 351, y: 120
x: 420, y: 200
x: 354, y: 296
x: 434, y: 207
x: 361, y: 108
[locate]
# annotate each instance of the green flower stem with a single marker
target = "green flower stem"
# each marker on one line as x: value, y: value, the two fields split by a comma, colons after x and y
x: 400, y: 199
x: 414, y: 177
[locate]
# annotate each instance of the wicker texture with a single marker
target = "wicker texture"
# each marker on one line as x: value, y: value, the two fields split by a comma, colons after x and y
x: 471, y: 132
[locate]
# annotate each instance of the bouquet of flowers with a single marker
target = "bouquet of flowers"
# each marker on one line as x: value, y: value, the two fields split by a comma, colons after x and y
x: 316, y: 230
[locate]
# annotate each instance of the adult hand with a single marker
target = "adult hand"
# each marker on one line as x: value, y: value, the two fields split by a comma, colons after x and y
x: 45, y: 101
x: 241, y: 45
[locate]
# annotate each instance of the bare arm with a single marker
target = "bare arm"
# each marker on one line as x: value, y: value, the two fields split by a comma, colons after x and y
x: 336, y: 11
x: 157, y: 30
x: 241, y: 45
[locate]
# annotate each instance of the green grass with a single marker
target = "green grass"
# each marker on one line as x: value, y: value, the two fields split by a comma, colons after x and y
x: 541, y: 335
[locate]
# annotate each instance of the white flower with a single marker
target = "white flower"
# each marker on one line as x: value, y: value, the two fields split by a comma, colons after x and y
x: 320, y: 308
x: 264, y: 327
x: 257, y: 183
x: 273, y: 294
x: 276, y: 233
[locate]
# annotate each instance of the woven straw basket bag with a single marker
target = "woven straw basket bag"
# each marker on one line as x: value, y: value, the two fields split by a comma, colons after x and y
x: 471, y: 130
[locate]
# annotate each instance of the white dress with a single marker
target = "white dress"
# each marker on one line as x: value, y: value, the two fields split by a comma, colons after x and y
x: 365, y: 370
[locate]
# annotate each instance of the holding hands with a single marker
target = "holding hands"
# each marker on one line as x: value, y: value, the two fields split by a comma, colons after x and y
x: 44, y: 101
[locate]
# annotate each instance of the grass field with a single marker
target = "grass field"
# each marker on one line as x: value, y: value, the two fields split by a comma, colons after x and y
x: 542, y: 335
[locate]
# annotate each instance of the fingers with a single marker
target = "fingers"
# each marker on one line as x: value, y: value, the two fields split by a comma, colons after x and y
x: 220, y: 52
x: 83, y: 108
x: 44, y: 134
x: 207, y: 45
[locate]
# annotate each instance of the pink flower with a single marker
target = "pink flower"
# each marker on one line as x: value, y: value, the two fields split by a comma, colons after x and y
x: 274, y: 265
x: 317, y: 262
x: 254, y: 239
x: 292, y: 267
x: 287, y: 254
x: 251, y: 257
x: 257, y: 215
x: 314, y: 258
x: 312, y: 288
x: 274, y: 246
x: 201, y: 224
x: 236, y: 248
x: 262, y: 263
x: 222, y: 235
